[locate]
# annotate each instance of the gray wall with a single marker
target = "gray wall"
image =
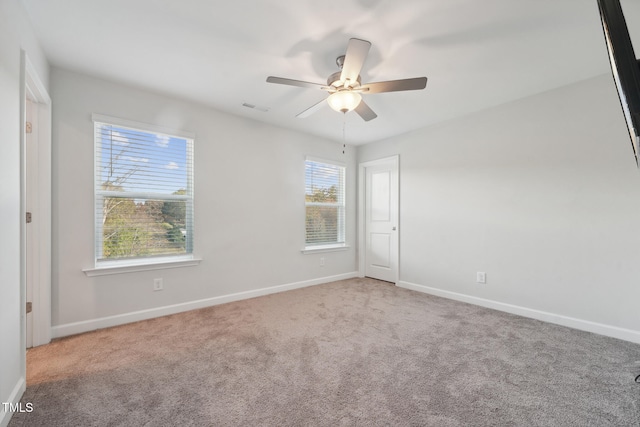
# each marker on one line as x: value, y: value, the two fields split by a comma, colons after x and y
x: 542, y: 194
x: 16, y: 34
x: 249, y: 207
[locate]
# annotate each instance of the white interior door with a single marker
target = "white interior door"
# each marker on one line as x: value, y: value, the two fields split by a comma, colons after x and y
x: 31, y: 167
x: 31, y: 175
x: 381, y: 219
x: 35, y: 186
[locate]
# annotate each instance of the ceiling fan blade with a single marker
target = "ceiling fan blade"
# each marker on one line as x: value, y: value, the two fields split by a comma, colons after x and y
x: 315, y: 107
x: 299, y: 83
x: 357, y: 52
x: 395, y: 85
x: 365, y: 111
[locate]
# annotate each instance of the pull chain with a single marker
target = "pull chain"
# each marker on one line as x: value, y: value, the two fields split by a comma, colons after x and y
x: 344, y: 138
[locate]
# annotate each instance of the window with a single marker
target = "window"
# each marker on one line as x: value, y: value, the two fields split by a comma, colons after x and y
x: 325, y: 204
x: 143, y: 191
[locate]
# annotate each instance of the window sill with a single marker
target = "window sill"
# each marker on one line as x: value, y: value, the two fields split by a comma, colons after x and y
x: 325, y: 248
x: 118, y: 267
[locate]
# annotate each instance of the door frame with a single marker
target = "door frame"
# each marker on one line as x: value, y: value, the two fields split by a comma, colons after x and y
x: 39, y: 263
x: 362, y: 247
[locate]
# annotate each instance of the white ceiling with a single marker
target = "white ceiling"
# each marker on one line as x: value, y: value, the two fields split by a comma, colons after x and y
x: 475, y: 54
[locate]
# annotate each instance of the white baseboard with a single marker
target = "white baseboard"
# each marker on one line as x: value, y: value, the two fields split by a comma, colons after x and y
x: 14, y: 398
x: 121, y: 319
x: 558, y: 319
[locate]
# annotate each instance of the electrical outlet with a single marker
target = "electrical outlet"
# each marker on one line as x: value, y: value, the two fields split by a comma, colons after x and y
x: 481, y: 277
x: 322, y: 262
x: 157, y: 284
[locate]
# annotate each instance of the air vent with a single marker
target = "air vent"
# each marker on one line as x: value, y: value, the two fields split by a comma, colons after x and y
x: 255, y: 107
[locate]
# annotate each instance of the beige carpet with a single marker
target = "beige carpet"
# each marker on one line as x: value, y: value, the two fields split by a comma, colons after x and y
x: 355, y: 352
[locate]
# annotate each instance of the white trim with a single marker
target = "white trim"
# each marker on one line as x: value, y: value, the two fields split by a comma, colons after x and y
x: 558, y: 319
x: 361, y: 212
x: 145, y: 195
x: 121, y: 319
x: 34, y: 85
x: 31, y: 85
x: 14, y: 398
x: 341, y: 205
x: 101, y: 118
x: 324, y: 248
x: 127, y: 266
x: 23, y: 210
x: 327, y: 161
x: 100, y: 194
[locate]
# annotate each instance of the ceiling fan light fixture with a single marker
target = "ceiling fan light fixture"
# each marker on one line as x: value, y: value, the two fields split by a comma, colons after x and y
x: 344, y: 101
x: 344, y: 86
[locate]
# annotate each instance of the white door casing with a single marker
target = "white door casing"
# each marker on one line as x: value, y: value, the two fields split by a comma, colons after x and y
x: 379, y: 218
x: 31, y: 178
x: 35, y: 198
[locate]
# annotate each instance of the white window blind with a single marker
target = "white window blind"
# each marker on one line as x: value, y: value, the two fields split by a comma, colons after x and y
x: 143, y: 193
x: 325, y: 203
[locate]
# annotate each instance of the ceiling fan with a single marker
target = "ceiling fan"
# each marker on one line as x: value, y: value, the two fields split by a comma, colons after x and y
x: 345, y: 87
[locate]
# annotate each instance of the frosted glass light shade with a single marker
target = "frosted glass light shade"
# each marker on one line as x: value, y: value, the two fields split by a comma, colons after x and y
x: 344, y: 101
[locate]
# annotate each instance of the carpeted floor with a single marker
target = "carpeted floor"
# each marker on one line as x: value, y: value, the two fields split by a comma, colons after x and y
x: 355, y: 352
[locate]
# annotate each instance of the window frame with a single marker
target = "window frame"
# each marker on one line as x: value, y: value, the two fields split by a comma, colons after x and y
x: 341, y: 243
x: 112, y: 266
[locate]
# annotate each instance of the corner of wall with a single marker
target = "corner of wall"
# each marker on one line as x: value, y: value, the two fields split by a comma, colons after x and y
x: 14, y: 399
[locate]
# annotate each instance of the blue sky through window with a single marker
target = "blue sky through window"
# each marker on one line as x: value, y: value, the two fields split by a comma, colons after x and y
x: 140, y: 161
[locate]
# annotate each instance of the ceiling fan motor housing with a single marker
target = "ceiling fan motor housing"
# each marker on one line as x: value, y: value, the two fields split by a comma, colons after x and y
x: 334, y: 80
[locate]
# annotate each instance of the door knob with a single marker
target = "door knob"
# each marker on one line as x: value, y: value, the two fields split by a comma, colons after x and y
x: 394, y: 229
